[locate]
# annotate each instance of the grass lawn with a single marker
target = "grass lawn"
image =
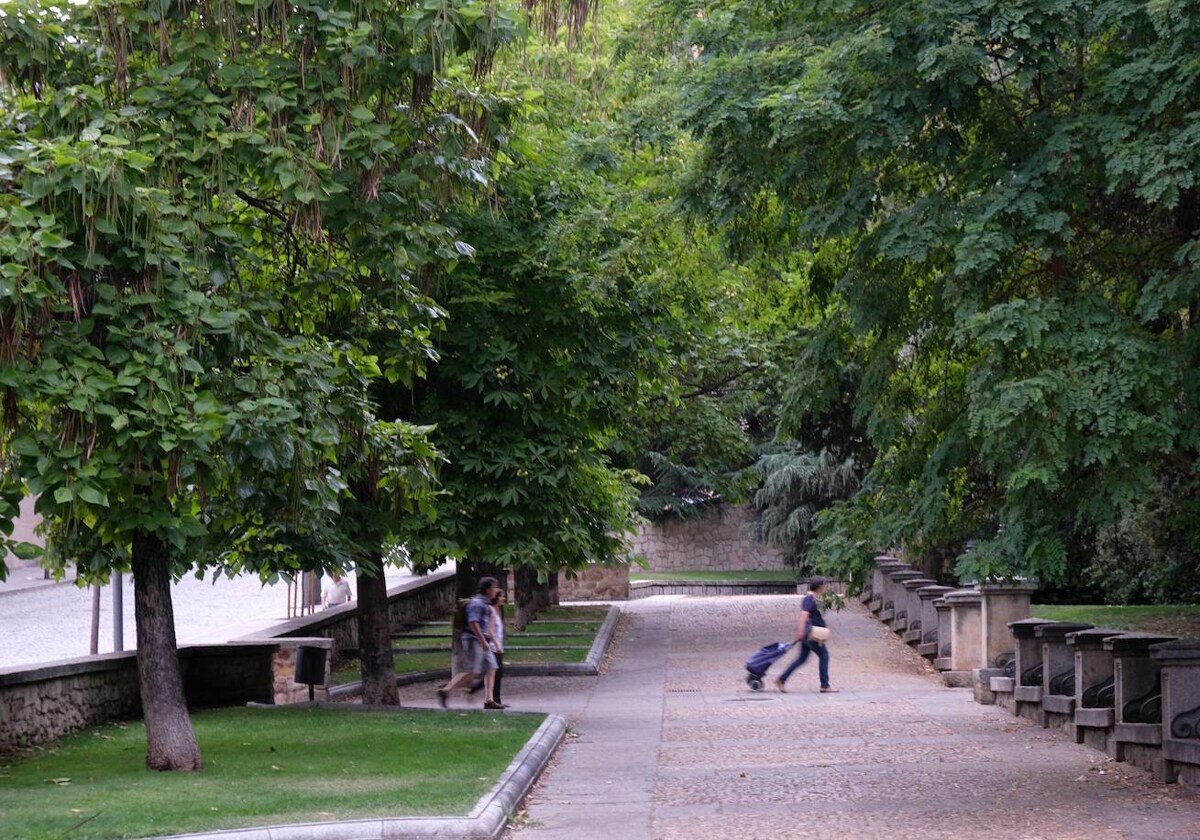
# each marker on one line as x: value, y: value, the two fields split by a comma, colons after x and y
x: 540, y: 633
x: 560, y: 613
x: 776, y: 575
x: 261, y: 766
x: 1173, y: 619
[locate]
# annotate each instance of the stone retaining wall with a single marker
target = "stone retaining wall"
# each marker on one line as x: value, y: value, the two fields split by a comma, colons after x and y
x: 595, y: 583
x: 41, y: 704
x: 716, y: 542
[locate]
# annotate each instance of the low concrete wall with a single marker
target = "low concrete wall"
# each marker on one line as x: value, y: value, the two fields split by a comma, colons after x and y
x: 38, y: 705
x: 646, y: 588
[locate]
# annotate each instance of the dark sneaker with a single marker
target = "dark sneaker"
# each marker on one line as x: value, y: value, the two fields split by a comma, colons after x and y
x: 779, y: 685
x: 490, y: 705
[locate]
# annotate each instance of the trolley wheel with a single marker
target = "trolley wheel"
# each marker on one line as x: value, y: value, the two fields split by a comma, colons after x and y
x: 755, y: 683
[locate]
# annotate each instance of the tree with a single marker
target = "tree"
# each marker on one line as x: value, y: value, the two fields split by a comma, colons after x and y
x: 170, y: 173
x: 1003, y: 211
x: 546, y: 352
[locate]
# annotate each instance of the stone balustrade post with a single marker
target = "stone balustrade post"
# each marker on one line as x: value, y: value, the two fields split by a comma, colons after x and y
x: 1001, y: 605
x: 930, y: 623
x: 1058, y: 672
x: 1179, y: 662
x: 943, y: 661
x: 879, y: 583
x: 1138, y: 734
x: 1028, y: 668
x: 912, y: 608
x: 966, y: 644
x: 897, y: 596
x: 871, y: 586
x: 1095, y: 687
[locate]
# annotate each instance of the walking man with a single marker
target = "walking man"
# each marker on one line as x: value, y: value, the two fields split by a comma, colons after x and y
x: 476, y: 638
x: 810, y: 617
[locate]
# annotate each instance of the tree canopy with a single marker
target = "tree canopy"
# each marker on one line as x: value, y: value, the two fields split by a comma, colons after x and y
x: 1001, y: 208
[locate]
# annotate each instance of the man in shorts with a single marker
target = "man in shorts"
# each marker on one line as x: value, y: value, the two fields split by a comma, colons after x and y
x: 475, y: 638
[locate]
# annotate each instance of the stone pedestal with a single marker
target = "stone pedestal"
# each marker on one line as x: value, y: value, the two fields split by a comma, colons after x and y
x: 930, y: 625
x: 966, y: 638
x: 912, y: 608
x: 883, y: 565
x: 1001, y: 605
x: 896, y: 595
x: 1095, y: 691
x: 1027, y: 668
x: 1058, y: 672
x: 1180, y: 665
x: 1138, y: 733
x: 945, y: 633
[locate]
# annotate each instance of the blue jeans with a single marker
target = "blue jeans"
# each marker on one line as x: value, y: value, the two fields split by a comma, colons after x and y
x: 807, y: 647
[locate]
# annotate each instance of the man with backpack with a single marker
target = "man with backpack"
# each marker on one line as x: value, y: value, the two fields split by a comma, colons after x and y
x: 475, y: 638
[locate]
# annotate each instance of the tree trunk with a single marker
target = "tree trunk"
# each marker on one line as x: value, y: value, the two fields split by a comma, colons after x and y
x: 553, y: 583
x: 465, y: 581
x: 170, y: 741
x: 375, y: 638
x: 524, y: 584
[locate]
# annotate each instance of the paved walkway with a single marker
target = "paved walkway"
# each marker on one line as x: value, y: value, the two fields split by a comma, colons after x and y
x: 206, y: 611
x: 670, y: 744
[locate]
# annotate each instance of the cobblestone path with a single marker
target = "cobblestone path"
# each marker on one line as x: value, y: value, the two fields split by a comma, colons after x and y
x: 672, y: 745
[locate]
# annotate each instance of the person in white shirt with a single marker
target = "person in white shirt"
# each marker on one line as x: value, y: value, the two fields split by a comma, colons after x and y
x: 337, y: 593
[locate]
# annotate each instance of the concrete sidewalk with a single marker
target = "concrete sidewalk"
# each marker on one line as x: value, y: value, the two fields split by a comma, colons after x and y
x: 671, y: 744
x: 46, y: 621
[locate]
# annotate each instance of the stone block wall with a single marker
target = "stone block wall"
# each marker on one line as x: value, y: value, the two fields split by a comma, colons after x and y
x: 43, y: 704
x: 596, y: 583
x: 285, y: 689
x: 716, y: 542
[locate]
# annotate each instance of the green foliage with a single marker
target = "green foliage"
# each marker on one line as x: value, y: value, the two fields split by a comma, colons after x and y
x: 796, y: 485
x: 550, y: 346
x: 194, y: 203
x: 1000, y: 204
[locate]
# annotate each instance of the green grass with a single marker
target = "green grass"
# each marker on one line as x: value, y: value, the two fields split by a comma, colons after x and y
x: 261, y: 767
x: 550, y: 621
x: 1172, y: 620
x: 597, y: 614
x: 442, y: 631
x: 410, y: 663
x: 775, y: 575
